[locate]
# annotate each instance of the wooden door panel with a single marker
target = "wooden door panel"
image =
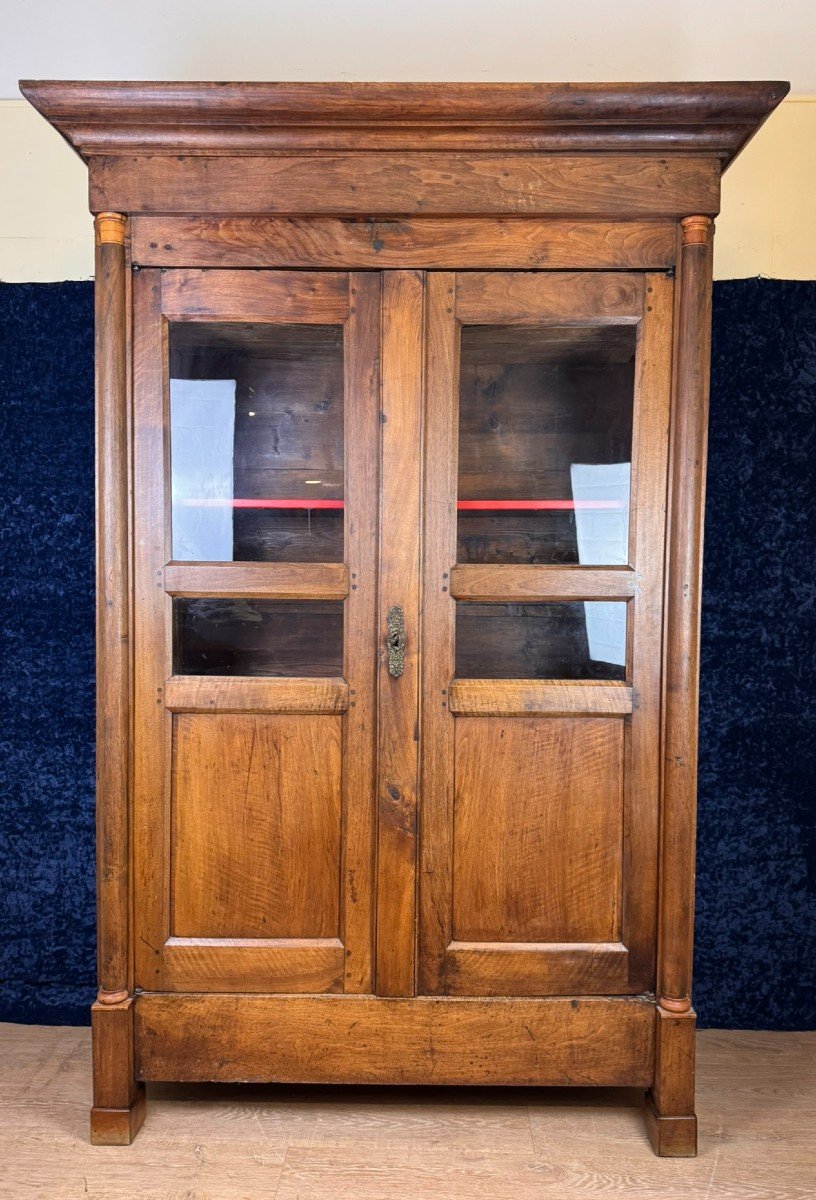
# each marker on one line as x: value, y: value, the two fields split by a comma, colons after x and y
x: 537, y: 829
x: 255, y: 849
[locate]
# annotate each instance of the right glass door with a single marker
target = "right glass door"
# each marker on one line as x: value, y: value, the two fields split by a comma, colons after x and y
x: 548, y: 400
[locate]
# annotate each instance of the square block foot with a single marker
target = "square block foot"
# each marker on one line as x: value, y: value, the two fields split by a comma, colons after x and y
x: 671, y: 1137
x: 118, y: 1126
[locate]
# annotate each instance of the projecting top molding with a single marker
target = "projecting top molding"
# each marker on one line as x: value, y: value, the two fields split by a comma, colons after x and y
x: 228, y: 119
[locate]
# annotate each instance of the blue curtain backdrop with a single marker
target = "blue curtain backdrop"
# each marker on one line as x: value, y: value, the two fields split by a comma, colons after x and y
x: 756, y: 894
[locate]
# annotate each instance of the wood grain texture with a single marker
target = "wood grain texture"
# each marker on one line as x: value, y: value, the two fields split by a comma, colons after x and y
x: 358, y: 184
x: 537, y: 852
x: 530, y: 969
x: 112, y: 1036
x: 361, y: 1039
x: 671, y: 1137
x: 438, y: 631
x: 673, y: 1088
x: 430, y: 243
x: 512, y: 583
x: 279, y: 581
x: 715, y: 119
x: 360, y: 632
x: 689, y: 437
x: 255, y: 827
x: 118, y: 1099
x: 510, y: 298
x: 152, y: 658
x: 550, y: 698
x: 303, y: 297
x: 254, y: 964
x: 113, y: 621
x: 237, y: 694
x: 399, y: 567
x: 645, y: 629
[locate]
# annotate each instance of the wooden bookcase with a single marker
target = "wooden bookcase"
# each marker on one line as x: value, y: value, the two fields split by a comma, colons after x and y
x: 402, y: 401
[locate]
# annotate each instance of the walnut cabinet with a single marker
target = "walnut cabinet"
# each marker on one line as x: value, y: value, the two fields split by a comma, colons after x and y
x: 402, y: 400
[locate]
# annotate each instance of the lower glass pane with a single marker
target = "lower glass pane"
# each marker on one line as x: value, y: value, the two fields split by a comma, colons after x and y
x: 561, y: 640
x: 257, y: 637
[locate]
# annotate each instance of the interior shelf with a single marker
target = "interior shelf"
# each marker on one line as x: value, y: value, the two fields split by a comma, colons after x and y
x: 462, y: 505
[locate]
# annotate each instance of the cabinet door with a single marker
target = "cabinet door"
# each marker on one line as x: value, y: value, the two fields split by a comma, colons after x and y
x: 545, y: 487
x: 255, y: 513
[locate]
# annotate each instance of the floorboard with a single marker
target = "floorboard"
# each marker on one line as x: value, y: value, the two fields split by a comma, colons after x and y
x: 756, y: 1105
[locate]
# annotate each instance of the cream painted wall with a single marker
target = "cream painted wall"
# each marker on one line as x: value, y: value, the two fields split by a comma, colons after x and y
x: 766, y: 227
x: 409, y: 39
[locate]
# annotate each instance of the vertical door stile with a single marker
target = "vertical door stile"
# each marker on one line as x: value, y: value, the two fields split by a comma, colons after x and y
x: 151, y: 770
x: 399, y: 583
x: 438, y: 632
x: 361, y: 548
x: 649, y: 498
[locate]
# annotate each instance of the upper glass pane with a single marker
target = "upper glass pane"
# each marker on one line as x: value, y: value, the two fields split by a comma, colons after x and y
x: 545, y: 443
x: 256, y: 442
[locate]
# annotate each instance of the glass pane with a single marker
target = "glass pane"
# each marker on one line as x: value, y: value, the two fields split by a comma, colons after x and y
x: 257, y: 637
x: 545, y: 443
x: 560, y: 640
x: 256, y: 441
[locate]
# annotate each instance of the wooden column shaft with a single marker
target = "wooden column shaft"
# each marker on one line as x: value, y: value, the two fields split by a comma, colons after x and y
x: 112, y: 630
x: 687, y: 493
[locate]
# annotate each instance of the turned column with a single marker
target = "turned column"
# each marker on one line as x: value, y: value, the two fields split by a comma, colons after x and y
x: 118, y: 1103
x: 112, y: 634
x: 685, y: 557
x: 670, y: 1114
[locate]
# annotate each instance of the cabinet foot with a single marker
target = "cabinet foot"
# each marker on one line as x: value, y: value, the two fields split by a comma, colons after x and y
x: 671, y: 1137
x: 118, y: 1126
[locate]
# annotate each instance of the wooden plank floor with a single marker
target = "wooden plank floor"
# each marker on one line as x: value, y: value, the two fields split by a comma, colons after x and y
x: 757, y: 1110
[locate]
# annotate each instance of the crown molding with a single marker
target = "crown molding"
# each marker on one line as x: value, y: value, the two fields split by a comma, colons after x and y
x: 217, y: 119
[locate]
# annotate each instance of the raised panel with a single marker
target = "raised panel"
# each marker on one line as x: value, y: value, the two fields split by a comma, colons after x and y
x: 537, y: 829
x: 255, y: 844
x: 254, y: 964
x: 536, y: 969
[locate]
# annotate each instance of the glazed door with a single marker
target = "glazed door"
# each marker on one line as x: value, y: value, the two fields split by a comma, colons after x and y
x: 544, y: 499
x: 256, y: 434
x: 397, y: 723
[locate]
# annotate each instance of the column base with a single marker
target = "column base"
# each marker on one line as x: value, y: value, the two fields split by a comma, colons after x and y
x: 671, y: 1137
x: 118, y: 1126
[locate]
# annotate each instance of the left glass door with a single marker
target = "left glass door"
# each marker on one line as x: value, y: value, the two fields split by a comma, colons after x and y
x: 255, y: 420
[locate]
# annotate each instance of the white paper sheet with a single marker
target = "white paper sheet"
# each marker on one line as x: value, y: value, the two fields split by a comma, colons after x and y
x: 603, y: 538
x: 202, y: 434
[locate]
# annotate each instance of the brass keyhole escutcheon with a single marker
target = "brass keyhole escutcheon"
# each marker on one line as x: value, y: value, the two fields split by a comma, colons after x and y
x: 395, y: 641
